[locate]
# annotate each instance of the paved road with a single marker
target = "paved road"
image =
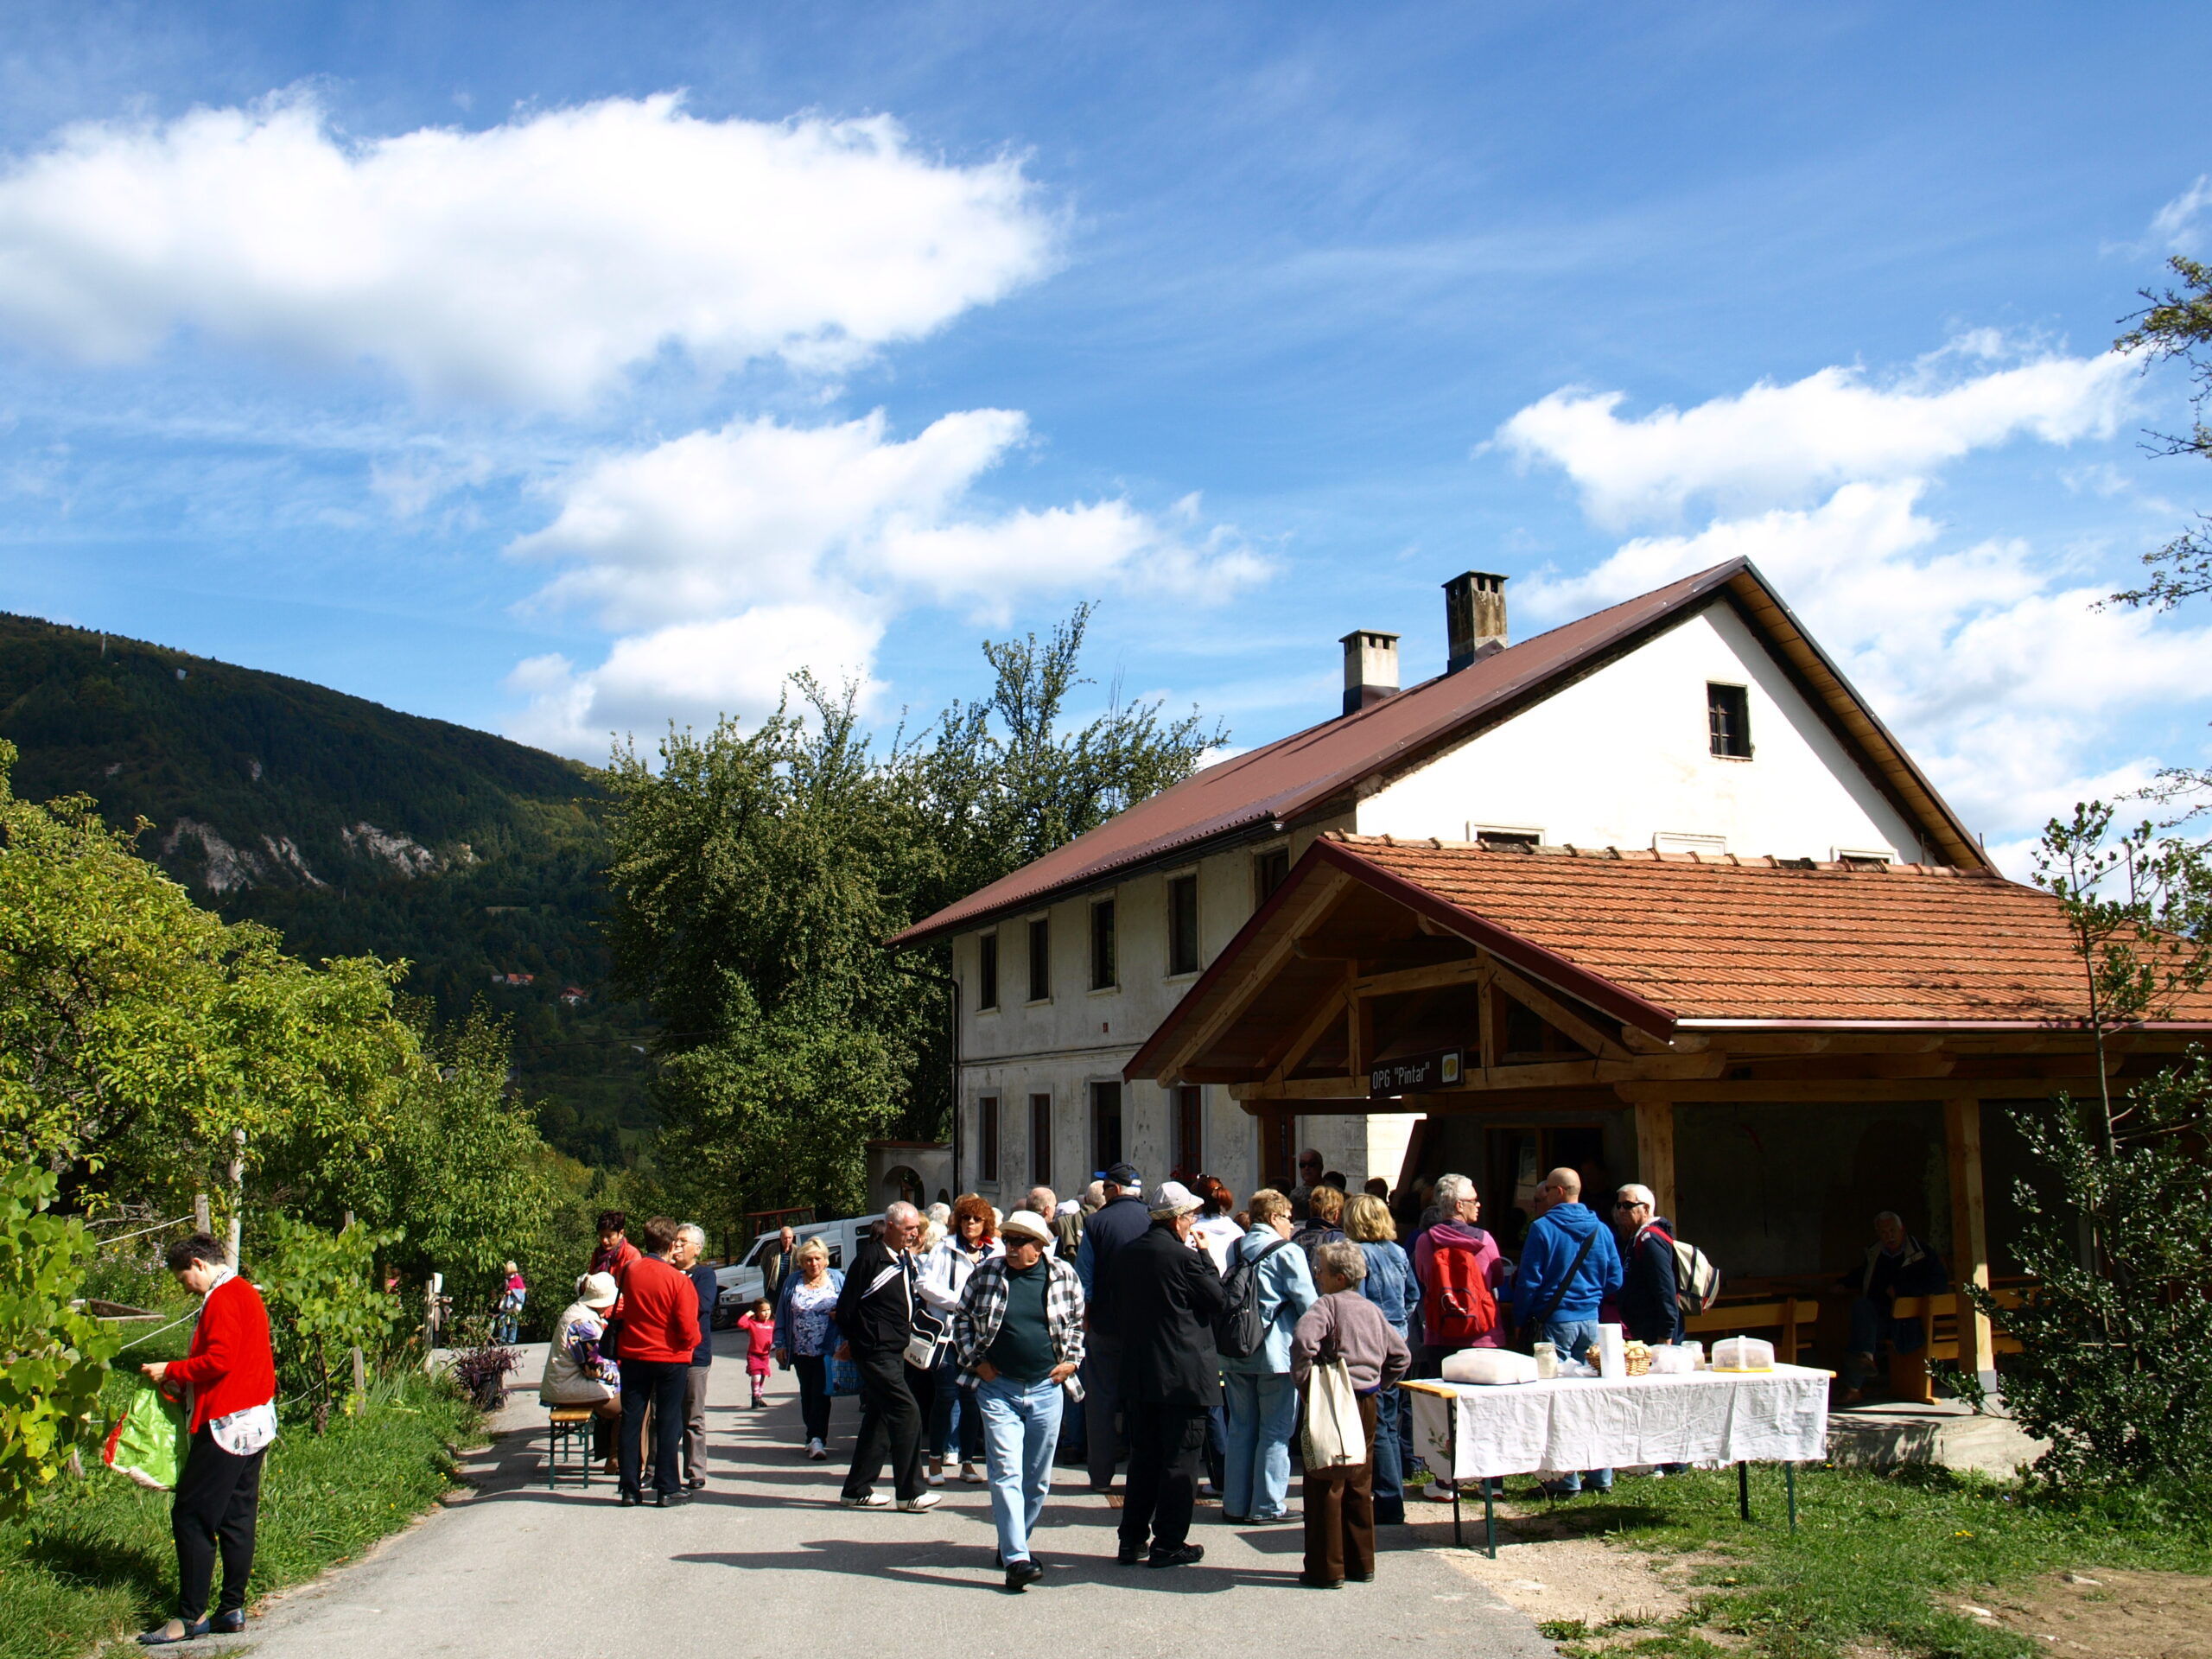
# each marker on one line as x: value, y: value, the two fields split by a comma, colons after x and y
x: 766, y: 1564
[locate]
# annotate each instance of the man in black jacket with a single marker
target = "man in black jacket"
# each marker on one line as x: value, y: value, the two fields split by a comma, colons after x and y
x: 875, y: 1312
x: 1165, y: 1296
x: 1120, y: 1219
x: 1652, y: 1309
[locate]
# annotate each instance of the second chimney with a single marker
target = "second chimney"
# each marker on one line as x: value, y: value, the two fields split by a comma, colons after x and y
x: 1370, y: 669
x: 1474, y: 617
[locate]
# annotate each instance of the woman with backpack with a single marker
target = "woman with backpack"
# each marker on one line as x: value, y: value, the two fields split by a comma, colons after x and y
x: 1267, y: 1277
x: 1458, y: 1269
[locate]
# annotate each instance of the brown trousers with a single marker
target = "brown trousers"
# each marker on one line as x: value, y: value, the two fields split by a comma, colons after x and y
x: 1340, y: 1513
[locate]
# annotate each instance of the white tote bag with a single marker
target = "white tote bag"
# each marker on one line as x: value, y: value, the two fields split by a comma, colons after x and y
x: 1335, y: 1438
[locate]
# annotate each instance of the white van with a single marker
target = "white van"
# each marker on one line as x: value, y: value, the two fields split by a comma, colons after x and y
x: 743, y: 1282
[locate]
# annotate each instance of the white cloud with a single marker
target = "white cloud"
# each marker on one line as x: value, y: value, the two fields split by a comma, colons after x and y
x: 2179, y: 225
x: 682, y: 546
x: 1989, y: 659
x: 533, y: 262
x: 1787, y: 443
x: 691, y: 673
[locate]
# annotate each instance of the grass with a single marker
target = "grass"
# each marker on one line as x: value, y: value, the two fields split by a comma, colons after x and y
x: 93, y: 1560
x: 1872, y: 1561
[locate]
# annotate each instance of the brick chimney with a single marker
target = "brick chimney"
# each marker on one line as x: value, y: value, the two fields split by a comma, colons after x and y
x: 1474, y: 618
x: 1370, y: 669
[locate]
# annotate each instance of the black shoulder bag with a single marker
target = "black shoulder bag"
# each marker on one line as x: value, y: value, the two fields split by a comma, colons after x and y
x: 1533, y: 1328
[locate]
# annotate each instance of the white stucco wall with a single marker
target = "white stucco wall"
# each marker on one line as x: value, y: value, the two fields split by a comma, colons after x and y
x: 1625, y: 755
x: 1613, y: 761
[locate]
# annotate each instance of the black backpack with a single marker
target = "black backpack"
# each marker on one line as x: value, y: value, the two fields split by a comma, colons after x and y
x: 1239, y: 1333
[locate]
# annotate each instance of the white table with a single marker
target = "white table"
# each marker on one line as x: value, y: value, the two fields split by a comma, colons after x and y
x: 1478, y: 1432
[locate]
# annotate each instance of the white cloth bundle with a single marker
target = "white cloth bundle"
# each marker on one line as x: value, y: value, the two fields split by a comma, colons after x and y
x: 1491, y: 1365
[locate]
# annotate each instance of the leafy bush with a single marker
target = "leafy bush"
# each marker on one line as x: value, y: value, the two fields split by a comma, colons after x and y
x: 481, y: 1373
x: 323, y: 1300
x: 52, y: 1357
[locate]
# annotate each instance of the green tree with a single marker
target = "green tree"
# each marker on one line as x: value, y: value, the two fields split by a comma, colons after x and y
x: 2176, y: 325
x: 53, y: 1355
x: 323, y: 1302
x: 139, y: 1033
x: 756, y: 874
x: 2113, y: 1230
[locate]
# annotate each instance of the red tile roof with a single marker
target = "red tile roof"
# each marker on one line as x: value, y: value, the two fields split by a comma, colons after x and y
x: 1741, y: 939
x: 1296, y: 775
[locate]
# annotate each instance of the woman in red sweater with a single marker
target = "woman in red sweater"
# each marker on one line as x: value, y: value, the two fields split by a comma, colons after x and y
x: 658, y: 1314
x: 228, y: 1380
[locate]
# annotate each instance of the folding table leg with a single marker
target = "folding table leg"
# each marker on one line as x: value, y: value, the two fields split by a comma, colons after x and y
x: 1744, y: 1489
x: 1490, y: 1520
x: 1459, y: 1538
x: 1790, y: 1477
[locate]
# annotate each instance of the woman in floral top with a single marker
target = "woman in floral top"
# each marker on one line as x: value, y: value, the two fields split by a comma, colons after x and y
x: 807, y: 1338
x: 576, y: 1373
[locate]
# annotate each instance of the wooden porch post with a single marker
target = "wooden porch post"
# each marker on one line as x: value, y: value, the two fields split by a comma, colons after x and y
x: 1969, y: 1234
x: 1655, y: 1153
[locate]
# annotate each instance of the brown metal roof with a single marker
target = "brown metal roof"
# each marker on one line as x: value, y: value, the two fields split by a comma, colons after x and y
x: 1288, y: 779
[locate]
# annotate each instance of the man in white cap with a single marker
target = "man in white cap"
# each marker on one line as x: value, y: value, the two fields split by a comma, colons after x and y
x: 1017, y: 1338
x: 1166, y: 1297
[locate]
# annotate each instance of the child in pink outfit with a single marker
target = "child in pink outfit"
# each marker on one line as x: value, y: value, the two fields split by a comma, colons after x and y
x: 760, y: 1328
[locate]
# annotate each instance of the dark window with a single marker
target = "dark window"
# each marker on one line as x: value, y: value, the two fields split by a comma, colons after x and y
x: 986, y: 1138
x: 1041, y: 1140
x: 1728, y: 713
x: 1105, y: 1125
x: 1270, y: 871
x: 987, y: 971
x: 1190, y: 1131
x: 1183, y: 924
x: 1102, y: 975
x: 1507, y: 841
x: 1041, y: 959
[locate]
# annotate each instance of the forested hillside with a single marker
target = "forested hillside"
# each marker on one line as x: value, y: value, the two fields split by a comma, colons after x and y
x: 352, y: 827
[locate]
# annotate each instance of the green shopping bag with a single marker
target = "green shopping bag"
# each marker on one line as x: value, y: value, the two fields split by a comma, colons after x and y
x: 147, y: 1442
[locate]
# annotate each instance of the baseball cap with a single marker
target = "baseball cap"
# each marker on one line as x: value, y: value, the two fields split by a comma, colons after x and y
x: 1121, y: 1175
x: 1030, y: 1223
x: 1172, y: 1199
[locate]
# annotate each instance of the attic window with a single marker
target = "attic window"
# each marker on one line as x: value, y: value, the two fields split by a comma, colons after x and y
x: 1270, y: 870
x: 1865, y: 858
x: 1497, y: 839
x: 1728, y: 717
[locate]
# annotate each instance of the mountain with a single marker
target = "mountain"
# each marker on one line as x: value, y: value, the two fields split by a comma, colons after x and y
x: 352, y: 827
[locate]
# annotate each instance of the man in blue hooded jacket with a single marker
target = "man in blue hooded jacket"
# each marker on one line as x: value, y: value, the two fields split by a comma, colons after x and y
x: 1569, y: 1265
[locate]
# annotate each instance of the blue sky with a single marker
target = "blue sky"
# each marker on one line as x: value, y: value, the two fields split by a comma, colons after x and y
x: 438, y: 354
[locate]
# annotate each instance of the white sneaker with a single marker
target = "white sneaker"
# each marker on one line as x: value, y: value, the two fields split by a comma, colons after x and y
x: 923, y: 1501
x: 934, y: 1475
x: 969, y: 1472
x: 872, y: 1501
x: 816, y: 1450
x: 1439, y: 1491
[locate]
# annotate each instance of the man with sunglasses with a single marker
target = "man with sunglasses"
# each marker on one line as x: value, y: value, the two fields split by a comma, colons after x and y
x: 1651, y: 1311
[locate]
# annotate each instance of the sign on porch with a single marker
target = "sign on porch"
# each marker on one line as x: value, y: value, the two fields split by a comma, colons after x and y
x: 1415, y: 1074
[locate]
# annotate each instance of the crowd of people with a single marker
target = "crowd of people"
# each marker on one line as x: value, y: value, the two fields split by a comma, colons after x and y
x: 1169, y: 1328
x: 1168, y: 1331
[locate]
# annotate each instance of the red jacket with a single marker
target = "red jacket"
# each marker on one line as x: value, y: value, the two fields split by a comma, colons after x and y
x: 659, y: 1311
x: 230, y: 1363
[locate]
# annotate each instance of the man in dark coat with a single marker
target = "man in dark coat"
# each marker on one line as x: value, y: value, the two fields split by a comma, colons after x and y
x: 1651, y: 1308
x: 1897, y: 1264
x: 1165, y: 1296
x: 1120, y: 1219
x: 875, y: 1312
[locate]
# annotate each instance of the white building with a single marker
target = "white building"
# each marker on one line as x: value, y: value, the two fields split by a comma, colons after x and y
x: 1698, y: 718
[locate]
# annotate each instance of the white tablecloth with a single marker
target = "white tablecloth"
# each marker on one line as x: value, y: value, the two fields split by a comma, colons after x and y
x: 1572, y: 1423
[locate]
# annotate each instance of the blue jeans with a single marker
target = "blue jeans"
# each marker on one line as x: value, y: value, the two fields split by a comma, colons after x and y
x: 1262, y: 1410
x: 954, y: 1408
x: 1389, y: 1478
x: 1869, y: 1323
x: 1574, y: 1338
x: 1021, y: 1423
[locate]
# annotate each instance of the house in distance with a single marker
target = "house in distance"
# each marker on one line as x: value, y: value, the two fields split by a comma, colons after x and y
x: 1654, y: 894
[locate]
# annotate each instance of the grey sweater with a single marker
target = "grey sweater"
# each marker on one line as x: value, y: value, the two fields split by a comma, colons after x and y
x: 1345, y: 1325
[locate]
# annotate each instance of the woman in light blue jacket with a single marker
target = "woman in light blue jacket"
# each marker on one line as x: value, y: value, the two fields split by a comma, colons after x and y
x: 1262, y: 1404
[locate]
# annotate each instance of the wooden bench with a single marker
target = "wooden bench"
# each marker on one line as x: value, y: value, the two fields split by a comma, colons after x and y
x: 1792, y: 1318
x: 1938, y: 1317
x: 568, y: 1451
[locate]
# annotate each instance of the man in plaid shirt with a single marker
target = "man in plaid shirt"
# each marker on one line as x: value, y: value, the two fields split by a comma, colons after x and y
x: 1018, y: 1338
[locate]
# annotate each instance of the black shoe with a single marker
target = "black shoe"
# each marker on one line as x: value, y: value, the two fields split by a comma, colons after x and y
x: 159, y: 1637
x: 1320, y: 1584
x: 630, y: 1500
x: 1181, y: 1555
x: 1363, y: 1578
x: 1130, y: 1555
x: 670, y: 1500
x: 230, y: 1624
x: 1021, y: 1574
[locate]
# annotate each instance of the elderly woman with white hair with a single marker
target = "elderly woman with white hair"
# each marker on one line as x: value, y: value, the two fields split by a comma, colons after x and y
x: 577, y: 1373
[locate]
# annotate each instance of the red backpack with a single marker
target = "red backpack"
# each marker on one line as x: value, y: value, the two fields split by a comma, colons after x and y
x: 1456, y: 1306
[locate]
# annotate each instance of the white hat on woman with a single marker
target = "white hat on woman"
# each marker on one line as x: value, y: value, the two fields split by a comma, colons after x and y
x: 597, y: 1290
